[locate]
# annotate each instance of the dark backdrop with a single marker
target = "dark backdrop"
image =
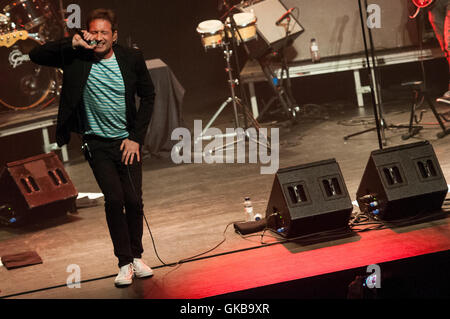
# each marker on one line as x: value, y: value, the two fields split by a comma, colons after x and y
x: 167, y: 30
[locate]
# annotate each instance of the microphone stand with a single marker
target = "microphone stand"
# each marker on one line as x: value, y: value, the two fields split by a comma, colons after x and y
x: 377, y: 105
x: 373, y: 82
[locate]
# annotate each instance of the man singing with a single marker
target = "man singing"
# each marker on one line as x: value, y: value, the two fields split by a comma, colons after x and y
x: 100, y: 81
x: 439, y: 16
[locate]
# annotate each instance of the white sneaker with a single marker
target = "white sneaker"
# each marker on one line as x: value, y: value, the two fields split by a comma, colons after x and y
x: 141, y: 270
x: 125, y: 276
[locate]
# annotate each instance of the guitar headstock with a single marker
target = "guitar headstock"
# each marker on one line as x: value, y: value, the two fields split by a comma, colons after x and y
x: 422, y: 3
x: 10, y: 38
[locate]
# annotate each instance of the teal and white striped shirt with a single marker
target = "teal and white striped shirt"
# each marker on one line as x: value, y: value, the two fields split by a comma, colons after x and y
x: 104, y: 100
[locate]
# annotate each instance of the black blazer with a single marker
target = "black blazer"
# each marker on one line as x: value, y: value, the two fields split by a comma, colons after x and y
x: 76, y: 65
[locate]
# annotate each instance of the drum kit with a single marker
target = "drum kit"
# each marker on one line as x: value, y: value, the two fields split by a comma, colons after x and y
x: 24, y: 25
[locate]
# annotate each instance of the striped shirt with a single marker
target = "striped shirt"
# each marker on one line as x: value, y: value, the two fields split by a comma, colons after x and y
x: 104, y: 100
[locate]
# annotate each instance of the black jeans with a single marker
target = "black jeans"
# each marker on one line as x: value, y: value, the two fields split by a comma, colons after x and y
x: 122, y: 189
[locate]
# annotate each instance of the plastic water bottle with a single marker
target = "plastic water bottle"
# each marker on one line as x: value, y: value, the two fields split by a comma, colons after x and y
x: 248, y: 209
x: 315, y: 55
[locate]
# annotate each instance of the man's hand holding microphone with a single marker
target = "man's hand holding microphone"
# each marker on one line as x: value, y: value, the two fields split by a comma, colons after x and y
x: 84, y: 39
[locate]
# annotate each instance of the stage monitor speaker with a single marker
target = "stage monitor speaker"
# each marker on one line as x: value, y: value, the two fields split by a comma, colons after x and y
x: 402, y: 181
x: 309, y: 198
x: 35, y: 188
x: 270, y: 36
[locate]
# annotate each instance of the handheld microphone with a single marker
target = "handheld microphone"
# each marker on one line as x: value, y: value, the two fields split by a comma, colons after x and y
x: 91, y: 42
x: 284, y: 16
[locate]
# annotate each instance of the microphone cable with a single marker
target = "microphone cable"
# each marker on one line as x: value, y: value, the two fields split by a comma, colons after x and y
x: 146, y: 222
x: 173, y: 264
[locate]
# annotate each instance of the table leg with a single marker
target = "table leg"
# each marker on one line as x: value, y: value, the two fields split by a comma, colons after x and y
x: 53, y: 146
x: 253, y: 100
x: 359, y: 88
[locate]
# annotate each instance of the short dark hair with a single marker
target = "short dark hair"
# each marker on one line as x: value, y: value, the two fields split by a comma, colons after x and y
x: 103, y: 14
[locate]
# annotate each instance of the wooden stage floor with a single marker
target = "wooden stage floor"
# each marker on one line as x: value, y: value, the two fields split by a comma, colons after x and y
x: 191, y: 208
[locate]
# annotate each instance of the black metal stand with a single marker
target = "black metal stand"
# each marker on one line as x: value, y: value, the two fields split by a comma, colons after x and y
x: 438, y: 116
x: 282, y: 93
x: 233, y: 98
x: 248, y: 116
x: 285, y: 70
x: 420, y: 95
x: 379, y: 121
x: 228, y: 16
x: 419, y: 91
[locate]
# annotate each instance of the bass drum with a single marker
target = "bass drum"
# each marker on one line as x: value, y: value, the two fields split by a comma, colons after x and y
x: 24, y: 84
